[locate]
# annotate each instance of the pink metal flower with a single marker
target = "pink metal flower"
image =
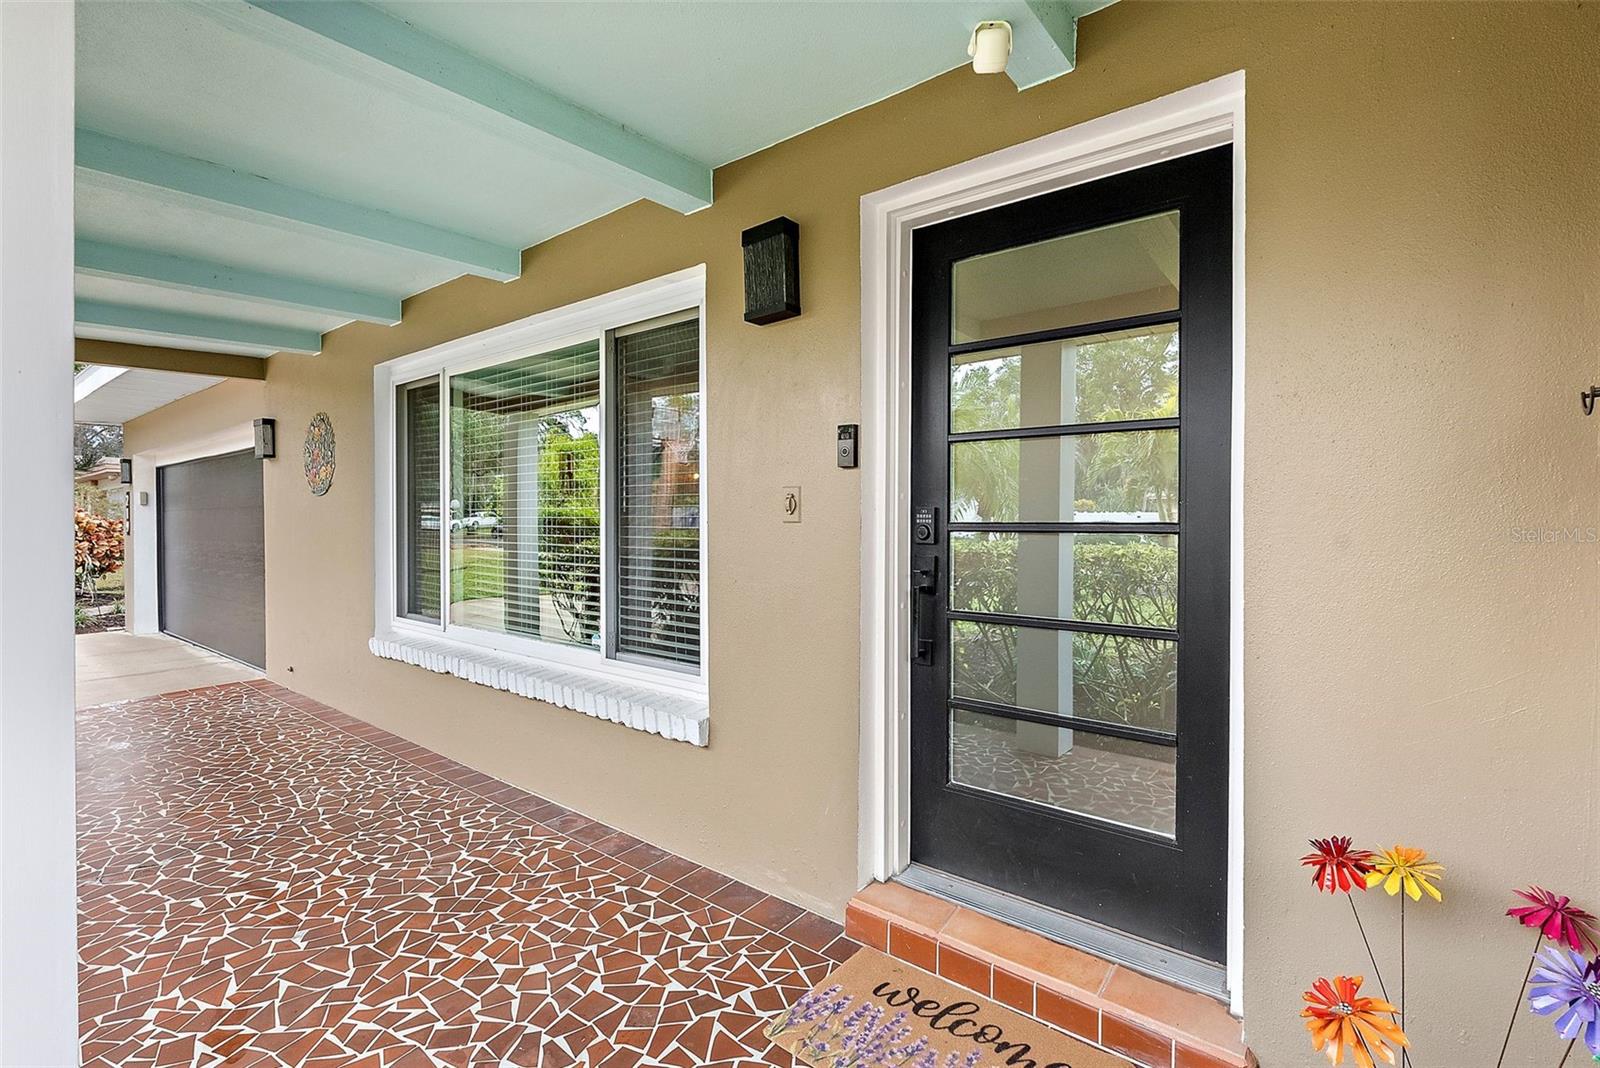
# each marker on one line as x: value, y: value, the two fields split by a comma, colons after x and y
x: 1556, y: 917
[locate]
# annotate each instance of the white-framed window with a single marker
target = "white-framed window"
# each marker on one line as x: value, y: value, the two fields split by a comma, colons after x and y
x: 541, y: 504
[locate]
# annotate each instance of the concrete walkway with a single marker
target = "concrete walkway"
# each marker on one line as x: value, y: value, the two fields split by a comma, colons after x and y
x: 118, y: 666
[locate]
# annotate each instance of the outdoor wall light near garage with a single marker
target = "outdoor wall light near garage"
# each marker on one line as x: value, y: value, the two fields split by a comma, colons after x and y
x: 266, y: 439
x: 125, y: 468
x: 990, y: 47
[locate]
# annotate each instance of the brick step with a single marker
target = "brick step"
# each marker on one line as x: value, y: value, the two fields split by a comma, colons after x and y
x: 1152, y: 1023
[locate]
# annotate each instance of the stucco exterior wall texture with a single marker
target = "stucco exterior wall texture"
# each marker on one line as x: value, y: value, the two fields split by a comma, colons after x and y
x: 1422, y: 641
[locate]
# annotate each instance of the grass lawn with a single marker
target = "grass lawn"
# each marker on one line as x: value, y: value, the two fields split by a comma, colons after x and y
x: 477, y: 571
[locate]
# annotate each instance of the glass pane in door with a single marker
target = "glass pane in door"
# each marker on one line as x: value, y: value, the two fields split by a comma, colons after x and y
x: 1125, y: 477
x: 1129, y: 579
x: 1124, y: 374
x: 1093, y: 276
x: 1112, y: 678
x: 1114, y: 779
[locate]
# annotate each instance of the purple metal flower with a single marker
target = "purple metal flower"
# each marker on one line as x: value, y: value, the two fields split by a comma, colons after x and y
x: 1564, y: 982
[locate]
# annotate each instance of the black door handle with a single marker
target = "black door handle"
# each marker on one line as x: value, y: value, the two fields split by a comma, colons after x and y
x: 924, y: 588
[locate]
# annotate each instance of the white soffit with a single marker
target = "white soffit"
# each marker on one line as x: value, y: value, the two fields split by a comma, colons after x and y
x: 119, y: 394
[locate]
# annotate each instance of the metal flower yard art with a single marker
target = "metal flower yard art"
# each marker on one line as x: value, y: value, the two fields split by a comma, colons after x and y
x: 1559, y: 981
x: 1555, y: 917
x: 1336, y: 867
x: 1566, y: 984
x: 1404, y: 868
x: 1402, y: 872
x: 1411, y: 871
x: 1339, y: 1019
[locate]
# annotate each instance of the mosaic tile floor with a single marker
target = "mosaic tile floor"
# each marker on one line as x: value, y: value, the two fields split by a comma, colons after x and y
x: 264, y: 881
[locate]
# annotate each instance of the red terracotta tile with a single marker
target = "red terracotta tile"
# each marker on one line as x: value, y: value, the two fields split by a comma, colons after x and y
x: 900, y: 904
x: 1026, y: 954
x: 424, y: 921
x: 671, y: 869
x: 774, y: 913
x: 736, y: 897
x: 868, y: 928
x: 703, y: 882
x: 1193, y: 1058
x: 965, y: 970
x: 1067, y: 1014
x: 1135, y: 1041
x: 1013, y: 990
x: 841, y: 949
x: 913, y: 947
x: 1175, y: 1011
x: 812, y: 931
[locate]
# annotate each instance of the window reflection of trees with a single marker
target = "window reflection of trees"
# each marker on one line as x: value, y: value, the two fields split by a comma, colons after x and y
x: 1130, y: 580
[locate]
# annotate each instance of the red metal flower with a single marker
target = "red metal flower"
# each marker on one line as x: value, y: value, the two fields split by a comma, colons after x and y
x: 1335, y: 866
x: 1556, y: 917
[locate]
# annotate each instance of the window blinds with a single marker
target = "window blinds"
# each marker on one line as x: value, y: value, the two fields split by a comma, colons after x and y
x: 658, y: 479
x: 419, y: 522
x: 525, y: 497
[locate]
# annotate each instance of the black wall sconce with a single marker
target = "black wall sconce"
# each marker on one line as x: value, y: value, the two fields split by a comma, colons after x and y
x: 771, y: 271
x: 266, y: 439
x: 1587, y: 399
x: 125, y: 471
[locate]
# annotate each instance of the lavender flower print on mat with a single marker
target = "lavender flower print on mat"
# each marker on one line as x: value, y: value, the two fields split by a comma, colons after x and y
x: 877, y: 1012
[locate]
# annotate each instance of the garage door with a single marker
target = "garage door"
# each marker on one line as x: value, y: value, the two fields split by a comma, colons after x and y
x: 212, y: 561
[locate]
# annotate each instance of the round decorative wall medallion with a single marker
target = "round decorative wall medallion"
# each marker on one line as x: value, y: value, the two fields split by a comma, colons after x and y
x: 319, y: 454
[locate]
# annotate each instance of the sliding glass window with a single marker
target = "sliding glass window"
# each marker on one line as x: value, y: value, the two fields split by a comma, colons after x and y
x: 569, y: 514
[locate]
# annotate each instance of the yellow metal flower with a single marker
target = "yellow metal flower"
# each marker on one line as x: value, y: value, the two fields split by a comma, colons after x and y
x: 1405, y: 868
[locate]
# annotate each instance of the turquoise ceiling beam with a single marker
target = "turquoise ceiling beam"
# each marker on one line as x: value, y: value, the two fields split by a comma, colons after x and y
x: 196, y: 327
x: 103, y: 260
x: 551, y: 124
x: 260, y: 199
x: 1044, y: 35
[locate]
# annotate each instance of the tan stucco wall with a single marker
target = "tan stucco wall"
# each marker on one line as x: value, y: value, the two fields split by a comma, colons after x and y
x: 1423, y: 252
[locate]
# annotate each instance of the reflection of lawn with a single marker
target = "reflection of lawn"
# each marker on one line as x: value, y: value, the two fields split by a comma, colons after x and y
x: 476, y: 571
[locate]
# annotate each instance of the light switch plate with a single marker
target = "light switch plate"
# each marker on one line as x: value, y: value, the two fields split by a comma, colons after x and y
x: 790, y: 502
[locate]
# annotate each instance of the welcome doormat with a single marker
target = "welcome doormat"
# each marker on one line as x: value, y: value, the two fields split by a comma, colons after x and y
x: 876, y: 1012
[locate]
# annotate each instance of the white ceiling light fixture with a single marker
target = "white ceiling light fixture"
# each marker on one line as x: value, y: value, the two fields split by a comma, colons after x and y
x: 990, y: 47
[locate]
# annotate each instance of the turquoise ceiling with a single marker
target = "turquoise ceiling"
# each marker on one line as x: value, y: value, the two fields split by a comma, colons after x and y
x: 253, y: 173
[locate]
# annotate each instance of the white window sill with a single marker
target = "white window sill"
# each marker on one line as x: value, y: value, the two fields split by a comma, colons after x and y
x: 671, y: 713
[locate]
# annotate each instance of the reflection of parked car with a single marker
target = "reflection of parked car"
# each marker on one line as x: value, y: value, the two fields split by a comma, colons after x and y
x: 477, y: 521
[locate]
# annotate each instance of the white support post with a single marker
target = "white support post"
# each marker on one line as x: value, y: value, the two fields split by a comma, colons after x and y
x: 38, y: 930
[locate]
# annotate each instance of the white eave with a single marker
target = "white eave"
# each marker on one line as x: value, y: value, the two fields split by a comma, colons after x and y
x: 119, y: 394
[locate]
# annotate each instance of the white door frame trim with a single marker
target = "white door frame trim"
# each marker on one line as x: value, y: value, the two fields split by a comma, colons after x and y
x: 1183, y: 122
x: 144, y: 589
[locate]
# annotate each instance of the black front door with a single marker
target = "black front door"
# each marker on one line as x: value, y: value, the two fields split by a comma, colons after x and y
x: 1070, y: 577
